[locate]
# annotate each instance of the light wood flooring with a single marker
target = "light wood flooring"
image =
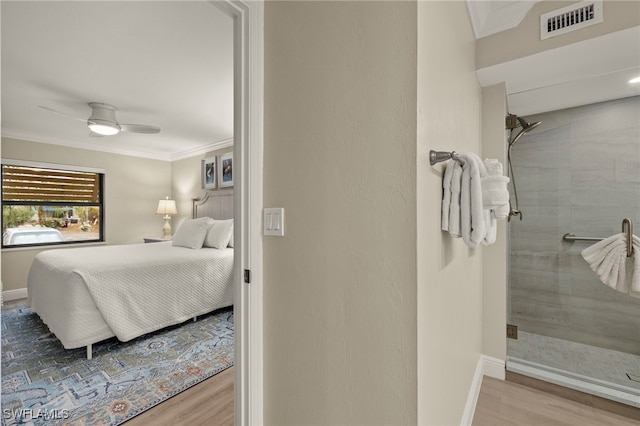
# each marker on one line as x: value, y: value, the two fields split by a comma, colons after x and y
x: 208, y: 403
x: 501, y: 403
x: 505, y: 403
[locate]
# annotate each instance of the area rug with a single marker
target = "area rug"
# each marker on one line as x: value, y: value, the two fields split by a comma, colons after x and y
x: 43, y: 383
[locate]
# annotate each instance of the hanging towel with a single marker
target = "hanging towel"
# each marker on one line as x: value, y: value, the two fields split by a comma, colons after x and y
x: 635, y: 279
x: 454, y: 206
x: 608, y: 259
x: 446, y: 195
x: 472, y: 219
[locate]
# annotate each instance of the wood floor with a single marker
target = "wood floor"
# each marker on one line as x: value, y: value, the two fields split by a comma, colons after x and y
x: 207, y: 403
x: 505, y: 403
x: 501, y: 403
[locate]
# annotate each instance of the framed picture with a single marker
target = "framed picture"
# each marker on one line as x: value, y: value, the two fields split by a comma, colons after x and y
x: 208, y: 173
x: 226, y: 170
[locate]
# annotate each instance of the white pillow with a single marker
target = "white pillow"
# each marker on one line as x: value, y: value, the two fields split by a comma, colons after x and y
x: 219, y: 234
x: 191, y: 233
x: 231, y: 240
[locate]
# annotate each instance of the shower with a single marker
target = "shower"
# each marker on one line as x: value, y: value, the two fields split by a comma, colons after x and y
x: 576, y: 173
x: 513, y: 122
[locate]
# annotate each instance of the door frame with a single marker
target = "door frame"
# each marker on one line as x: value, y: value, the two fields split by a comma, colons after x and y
x: 248, y: 73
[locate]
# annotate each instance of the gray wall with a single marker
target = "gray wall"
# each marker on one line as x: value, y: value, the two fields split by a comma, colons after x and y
x: 578, y: 172
x: 339, y: 156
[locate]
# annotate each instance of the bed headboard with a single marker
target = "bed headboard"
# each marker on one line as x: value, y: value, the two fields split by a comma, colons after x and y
x: 214, y: 204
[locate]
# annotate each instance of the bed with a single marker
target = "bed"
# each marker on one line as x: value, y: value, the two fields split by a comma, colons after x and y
x: 89, y: 294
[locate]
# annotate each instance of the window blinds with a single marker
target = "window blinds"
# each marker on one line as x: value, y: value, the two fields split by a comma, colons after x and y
x: 32, y: 184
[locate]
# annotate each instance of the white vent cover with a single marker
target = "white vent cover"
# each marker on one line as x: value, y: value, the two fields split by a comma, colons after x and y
x: 570, y: 18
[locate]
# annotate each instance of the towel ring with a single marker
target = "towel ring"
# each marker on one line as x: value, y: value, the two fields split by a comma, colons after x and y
x: 629, y: 232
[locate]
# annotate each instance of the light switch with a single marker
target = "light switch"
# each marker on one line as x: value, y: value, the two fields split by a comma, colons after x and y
x: 274, y: 221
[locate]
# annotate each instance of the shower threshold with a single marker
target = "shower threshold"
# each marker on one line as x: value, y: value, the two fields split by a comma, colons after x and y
x: 603, y: 389
x: 597, y: 371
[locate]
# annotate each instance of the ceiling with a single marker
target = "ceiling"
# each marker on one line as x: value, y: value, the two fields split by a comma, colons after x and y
x: 491, y: 17
x: 170, y: 64
x: 162, y: 63
x: 586, y: 72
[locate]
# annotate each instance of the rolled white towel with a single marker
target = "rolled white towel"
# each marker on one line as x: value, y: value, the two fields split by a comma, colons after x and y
x: 493, y: 166
x: 494, y: 191
x: 501, y: 212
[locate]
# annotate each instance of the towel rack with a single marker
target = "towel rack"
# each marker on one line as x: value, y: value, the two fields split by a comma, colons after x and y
x: 627, y: 228
x: 572, y: 237
x: 439, y: 156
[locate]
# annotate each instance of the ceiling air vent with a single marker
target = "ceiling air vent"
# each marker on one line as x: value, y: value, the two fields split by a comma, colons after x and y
x: 570, y: 18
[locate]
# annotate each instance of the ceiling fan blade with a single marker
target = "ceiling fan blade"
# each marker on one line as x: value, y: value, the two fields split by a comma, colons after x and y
x: 84, y: 120
x: 139, y: 128
x: 95, y: 135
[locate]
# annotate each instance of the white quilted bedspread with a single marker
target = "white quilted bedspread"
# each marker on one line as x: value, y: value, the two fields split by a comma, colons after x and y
x: 141, y: 288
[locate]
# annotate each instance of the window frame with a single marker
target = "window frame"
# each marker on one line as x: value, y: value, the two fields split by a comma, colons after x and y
x: 64, y: 168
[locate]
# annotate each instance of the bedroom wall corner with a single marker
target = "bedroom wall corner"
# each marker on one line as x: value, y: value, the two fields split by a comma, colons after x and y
x: 133, y: 187
x: 449, y: 301
x: 186, y: 183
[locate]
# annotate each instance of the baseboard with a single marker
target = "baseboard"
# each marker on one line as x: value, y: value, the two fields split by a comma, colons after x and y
x: 20, y: 293
x: 487, y: 366
x: 493, y: 367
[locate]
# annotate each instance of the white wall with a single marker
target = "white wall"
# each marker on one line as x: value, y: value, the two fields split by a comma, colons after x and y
x: 132, y: 188
x: 339, y: 156
x: 449, y: 280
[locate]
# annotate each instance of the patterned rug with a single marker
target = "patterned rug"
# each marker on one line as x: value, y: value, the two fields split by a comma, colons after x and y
x: 43, y: 383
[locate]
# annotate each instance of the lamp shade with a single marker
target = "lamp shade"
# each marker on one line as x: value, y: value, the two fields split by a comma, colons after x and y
x: 167, y: 207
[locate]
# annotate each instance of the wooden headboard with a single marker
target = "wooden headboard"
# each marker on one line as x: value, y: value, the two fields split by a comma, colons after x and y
x: 215, y: 204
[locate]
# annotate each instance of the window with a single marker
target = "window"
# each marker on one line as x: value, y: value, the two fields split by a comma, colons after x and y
x: 45, y: 204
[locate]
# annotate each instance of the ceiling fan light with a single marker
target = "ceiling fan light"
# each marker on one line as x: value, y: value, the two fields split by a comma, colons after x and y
x: 105, y: 129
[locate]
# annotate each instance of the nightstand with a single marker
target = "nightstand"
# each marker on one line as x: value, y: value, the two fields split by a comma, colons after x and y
x: 155, y: 240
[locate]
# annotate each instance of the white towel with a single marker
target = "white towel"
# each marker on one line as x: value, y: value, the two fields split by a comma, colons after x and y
x: 454, y: 206
x: 494, y: 191
x: 501, y: 212
x: 446, y: 195
x: 493, y: 166
x: 635, y: 279
x: 472, y: 220
x: 492, y: 228
x: 608, y: 259
x: 495, y: 194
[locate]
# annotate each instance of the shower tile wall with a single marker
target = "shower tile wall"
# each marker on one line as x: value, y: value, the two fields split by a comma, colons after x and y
x: 578, y: 172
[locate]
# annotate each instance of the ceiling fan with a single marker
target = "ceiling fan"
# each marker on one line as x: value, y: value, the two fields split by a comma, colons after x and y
x: 102, y: 121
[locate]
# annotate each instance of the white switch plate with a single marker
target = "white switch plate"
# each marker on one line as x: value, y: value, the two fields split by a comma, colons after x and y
x: 274, y: 222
